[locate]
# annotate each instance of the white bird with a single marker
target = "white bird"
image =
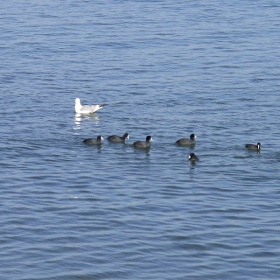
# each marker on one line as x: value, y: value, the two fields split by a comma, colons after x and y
x: 86, y: 109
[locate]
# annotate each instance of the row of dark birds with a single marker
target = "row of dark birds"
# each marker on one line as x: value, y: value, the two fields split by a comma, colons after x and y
x: 146, y: 144
x: 89, y: 109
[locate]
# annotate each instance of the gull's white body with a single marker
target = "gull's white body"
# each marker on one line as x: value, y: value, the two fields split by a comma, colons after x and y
x: 86, y: 109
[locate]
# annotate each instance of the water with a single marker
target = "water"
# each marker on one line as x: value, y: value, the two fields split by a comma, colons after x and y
x: 166, y: 69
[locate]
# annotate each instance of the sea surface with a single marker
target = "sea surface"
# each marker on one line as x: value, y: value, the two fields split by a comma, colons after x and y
x: 165, y: 69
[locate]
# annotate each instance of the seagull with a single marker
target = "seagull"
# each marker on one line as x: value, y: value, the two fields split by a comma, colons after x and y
x: 86, y: 109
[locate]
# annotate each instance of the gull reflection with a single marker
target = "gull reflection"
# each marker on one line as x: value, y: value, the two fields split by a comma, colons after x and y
x: 79, y: 118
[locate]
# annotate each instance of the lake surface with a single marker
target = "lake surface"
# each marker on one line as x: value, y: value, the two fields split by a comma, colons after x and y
x: 165, y: 69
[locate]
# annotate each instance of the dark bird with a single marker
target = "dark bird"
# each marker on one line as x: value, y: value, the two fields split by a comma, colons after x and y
x: 143, y: 144
x: 187, y: 141
x: 253, y: 147
x: 93, y: 141
x: 118, y: 139
x: 193, y: 157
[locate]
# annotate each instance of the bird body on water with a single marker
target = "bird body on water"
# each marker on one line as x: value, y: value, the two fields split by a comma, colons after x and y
x: 143, y: 144
x: 253, y: 146
x: 118, y: 139
x: 86, y: 109
x: 187, y: 141
x: 193, y: 157
x: 93, y: 141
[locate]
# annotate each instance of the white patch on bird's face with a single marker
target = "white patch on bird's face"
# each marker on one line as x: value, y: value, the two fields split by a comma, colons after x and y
x: 189, y: 156
x: 102, y: 138
x: 127, y: 137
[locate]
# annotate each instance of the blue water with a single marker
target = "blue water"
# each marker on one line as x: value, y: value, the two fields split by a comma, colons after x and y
x: 166, y: 69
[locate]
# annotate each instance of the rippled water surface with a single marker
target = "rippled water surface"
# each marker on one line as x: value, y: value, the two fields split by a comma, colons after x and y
x: 166, y: 69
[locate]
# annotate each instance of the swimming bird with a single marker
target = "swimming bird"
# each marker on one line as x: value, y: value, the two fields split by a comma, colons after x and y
x: 187, y: 141
x: 93, y: 141
x: 86, y: 109
x: 143, y: 144
x: 193, y: 157
x: 118, y: 139
x: 253, y: 147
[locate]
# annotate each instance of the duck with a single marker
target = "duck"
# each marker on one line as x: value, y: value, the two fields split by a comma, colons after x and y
x: 253, y: 146
x: 143, y: 144
x: 118, y: 139
x: 193, y: 157
x: 187, y: 141
x: 86, y: 109
x: 93, y: 141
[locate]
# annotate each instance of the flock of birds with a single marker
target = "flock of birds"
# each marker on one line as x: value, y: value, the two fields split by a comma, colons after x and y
x: 89, y: 109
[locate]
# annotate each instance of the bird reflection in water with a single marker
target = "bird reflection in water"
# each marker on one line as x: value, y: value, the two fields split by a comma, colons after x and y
x: 79, y: 118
